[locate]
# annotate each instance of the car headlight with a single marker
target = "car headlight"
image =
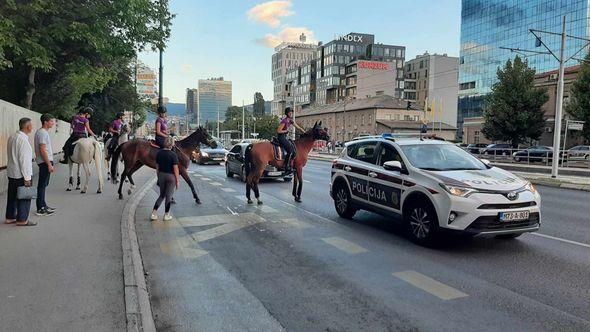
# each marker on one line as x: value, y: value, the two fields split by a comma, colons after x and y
x: 204, y: 154
x: 458, y: 191
x: 529, y: 186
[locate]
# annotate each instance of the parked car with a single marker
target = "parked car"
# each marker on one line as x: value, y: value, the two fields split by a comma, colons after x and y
x: 476, y: 148
x: 433, y: 187
x: 535, y: 153
x: 500, y: 149
x: 207, y: 155
x: 579, y: 152
x: 234, y: 165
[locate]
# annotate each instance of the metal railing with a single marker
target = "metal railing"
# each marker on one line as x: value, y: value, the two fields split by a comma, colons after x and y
x: 532, y: 157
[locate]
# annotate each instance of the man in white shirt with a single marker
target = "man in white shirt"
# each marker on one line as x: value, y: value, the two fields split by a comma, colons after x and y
x: 20, y: 173
x: 44, y: 158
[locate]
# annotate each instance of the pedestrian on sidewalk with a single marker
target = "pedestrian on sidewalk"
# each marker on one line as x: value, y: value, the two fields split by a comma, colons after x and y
x: 44, y: 159
x: 168, y: 177
x: 20, y: 173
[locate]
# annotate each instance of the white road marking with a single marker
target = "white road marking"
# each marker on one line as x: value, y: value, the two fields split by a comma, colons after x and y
x: 344, y: 245
x: 215, y: 184
x: 206, y: 179
x: 305, y: 181
x: 562, y: 240
x: 267, y: 209
x: 295, y: 223
x: 430, y: 285
x: 228, y: 190
x: 232, y: 212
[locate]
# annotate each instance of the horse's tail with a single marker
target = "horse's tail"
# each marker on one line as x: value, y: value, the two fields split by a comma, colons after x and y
x: 248, y: 159
x: 98, y: 161
x: 115, y: 162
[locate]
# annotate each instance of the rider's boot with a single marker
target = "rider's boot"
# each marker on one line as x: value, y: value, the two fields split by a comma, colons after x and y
x: 287, y: 166
x: 66, y: 157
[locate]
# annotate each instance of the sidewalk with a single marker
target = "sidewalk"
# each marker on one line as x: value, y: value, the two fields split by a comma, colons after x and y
x: 66, y: 273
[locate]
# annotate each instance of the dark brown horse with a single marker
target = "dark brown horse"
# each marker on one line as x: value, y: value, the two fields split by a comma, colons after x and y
x: 258, y: 155
x: 139, y: 152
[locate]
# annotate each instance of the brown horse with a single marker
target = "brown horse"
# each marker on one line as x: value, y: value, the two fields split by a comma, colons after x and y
x: 139, y: 152
x: 258, y: 155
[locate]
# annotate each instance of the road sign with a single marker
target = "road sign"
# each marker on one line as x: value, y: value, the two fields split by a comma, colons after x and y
x: 575, y: 126
x: 254, y: 135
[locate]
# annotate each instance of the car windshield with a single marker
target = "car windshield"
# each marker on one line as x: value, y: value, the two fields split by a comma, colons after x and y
x: 205, y: 146
x: 441, y: 157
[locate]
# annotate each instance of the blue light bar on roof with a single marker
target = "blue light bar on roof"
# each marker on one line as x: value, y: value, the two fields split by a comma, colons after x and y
x: 387, y: 135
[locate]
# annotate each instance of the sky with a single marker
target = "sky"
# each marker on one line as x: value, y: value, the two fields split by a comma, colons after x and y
x: 234, y: 38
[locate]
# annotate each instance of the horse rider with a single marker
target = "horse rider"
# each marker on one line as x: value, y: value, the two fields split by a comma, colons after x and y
x: 80, y: 129
x: 282, y: 132
x: 161, y: 126
x: 115, y: 130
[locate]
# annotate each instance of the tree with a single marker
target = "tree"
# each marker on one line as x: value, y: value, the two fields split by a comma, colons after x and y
x: 73, y: 41
x: 258, y: 105
x: 579, y: 104
x: 233, y: 112
x: 513, y: 109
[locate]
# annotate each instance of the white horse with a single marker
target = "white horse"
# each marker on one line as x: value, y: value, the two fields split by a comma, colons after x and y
x: 85, y: 150
x: 123, y: 137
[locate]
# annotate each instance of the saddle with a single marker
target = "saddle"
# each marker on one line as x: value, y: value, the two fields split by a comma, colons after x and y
x: 279, y: 152
x: 153, y: 144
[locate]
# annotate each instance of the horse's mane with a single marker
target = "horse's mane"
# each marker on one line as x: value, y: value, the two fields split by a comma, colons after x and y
x: 190, y: 140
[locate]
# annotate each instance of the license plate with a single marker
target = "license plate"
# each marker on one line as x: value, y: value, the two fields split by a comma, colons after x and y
x: 274, y: 173
x: 514, y: 216
x: 217, y: 158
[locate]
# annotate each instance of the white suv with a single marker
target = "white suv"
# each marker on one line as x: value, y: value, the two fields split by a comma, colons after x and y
x: 433, y: 185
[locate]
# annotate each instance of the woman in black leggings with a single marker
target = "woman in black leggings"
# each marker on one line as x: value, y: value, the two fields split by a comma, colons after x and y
x: 168, y: 177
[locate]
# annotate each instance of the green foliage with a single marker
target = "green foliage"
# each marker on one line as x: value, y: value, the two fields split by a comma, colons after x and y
x: 234, y: 112
x: 579, y: 104
x: 54, y: 51
x: 513, y: 108
x: 258, y: 105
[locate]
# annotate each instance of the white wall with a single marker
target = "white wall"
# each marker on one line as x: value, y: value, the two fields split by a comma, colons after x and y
x: 444, y: 85
x: 9, y: 116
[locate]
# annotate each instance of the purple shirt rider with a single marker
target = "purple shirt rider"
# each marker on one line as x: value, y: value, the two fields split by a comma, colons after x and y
x: 287, y: 122
x: 116, y: 124
x: 79, y: 124
x: 163, y: 124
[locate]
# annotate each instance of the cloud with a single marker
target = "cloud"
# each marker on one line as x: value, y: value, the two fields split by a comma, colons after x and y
x: 270, y: 12
x: 185, y: 67
x: 288, y: 34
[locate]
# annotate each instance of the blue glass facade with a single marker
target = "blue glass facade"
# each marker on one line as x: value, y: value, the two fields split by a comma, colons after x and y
x: 214, y: 94
x: 487, y: 25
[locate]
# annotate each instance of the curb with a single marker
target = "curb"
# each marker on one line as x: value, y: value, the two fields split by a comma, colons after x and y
x: 556, y: 184
x: 137, y: 301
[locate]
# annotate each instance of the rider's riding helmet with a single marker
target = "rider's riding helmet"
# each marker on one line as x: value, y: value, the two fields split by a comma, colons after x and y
x: 87, y: 110
x: 120, y: 115
x: 162, y: 110
x: 287, y: 110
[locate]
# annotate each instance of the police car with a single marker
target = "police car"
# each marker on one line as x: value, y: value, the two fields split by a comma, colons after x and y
x: 433, y: 186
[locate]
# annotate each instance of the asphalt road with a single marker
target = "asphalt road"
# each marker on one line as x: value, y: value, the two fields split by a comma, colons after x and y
x: 227, y: 266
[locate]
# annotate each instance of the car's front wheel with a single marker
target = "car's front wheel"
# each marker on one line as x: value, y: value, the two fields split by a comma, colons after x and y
x: 342, y: 202
x: 422, y: 223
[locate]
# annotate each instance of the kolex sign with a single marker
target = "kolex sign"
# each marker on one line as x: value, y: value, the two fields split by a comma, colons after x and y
x: 373, y: 65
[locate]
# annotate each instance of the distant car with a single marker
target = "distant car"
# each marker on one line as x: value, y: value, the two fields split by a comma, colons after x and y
x: 535, y: 153
x: 234, y: 165
x: 206, y: 155
x: 579, y: 152
x: 500, y: 149
x: 249, y: 140
x: 476, y: 148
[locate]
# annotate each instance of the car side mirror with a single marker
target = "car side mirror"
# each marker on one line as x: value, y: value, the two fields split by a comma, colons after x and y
x: 393, y: 165
x: 486, y: 162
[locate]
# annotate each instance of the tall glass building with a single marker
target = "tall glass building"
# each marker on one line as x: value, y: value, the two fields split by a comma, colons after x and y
x: 214, y: 94
x: 487, y: 25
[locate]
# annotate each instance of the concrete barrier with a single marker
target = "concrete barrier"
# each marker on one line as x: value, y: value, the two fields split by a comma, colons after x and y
x: 9, y: 116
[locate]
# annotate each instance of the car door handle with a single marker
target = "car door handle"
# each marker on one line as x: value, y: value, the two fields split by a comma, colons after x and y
x: 373, y: 174
x: 347, y: 168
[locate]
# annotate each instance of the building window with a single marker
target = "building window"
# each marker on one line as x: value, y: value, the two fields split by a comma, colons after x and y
x: 476, y: 137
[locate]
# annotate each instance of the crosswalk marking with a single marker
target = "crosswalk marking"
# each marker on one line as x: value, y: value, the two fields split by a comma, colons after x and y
x: 295, y: 223
x: 344, y: 245
x: 215, y: 184
x: 206, y: 179
x: 430, y: 285
x: 228, y: 190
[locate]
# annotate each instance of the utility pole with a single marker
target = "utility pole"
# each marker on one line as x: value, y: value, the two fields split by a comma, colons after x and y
x: 559, y: 98
x: 243, y: 121
x: 217, y: 120
x: 161, y: 72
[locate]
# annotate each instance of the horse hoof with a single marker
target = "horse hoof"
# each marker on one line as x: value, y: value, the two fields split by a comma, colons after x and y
x: 78, y: 188
x: 82, y: 192
x: 198, y: 201
x: 298, y: 199
x: 99, y: 191
x: 129, y: 192
x: 120, y: 196
x: 259, y: 202
x: 68, y: 189
x: 172, y: 202
x: 249, y: 201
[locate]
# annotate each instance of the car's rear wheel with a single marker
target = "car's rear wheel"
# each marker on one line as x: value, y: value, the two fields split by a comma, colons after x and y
x: 422, y: 223
x: 517, y: 159
x: 342, y: 202
x: 288, y: 179
x: 228, y: 173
